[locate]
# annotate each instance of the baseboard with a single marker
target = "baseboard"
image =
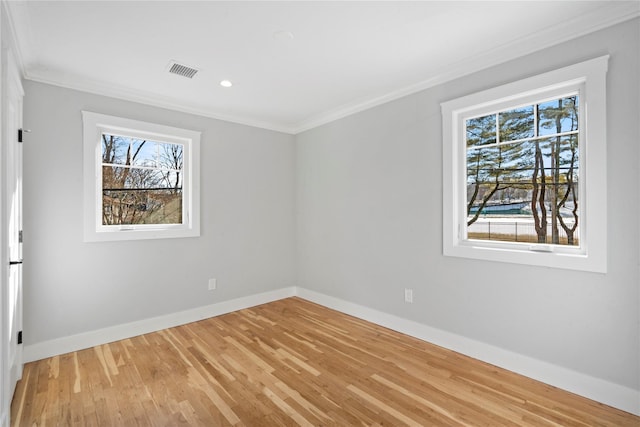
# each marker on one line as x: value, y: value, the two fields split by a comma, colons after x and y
x: 596, y: 389
x: 77, y: 342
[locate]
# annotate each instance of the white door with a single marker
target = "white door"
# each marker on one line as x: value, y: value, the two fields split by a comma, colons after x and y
x: 12, y: 95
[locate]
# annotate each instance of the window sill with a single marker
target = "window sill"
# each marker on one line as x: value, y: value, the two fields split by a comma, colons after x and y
x: 138, y: 234
x: 551, y: 256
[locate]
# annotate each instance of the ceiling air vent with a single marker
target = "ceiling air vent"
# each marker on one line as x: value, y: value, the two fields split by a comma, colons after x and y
x: 182, y: 70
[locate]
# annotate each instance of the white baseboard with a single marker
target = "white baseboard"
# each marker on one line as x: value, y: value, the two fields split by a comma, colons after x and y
x: 77, y: 342
x: 596, y: 389
x: 611, y: 394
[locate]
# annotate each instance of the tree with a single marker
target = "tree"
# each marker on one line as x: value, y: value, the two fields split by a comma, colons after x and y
x: 560, y: 117
x: 571, y: 190
x: 538, y: 193
x: 123, y: 202
x: 492, y: 167
x: 171, y: 160
x: 488, y: 177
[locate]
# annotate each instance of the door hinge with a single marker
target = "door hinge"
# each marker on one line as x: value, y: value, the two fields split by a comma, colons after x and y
x: 21, y: 132
x: 19, y: 337
x: 20, y: 236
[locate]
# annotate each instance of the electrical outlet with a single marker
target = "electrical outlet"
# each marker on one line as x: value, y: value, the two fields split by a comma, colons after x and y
x: 408, y: 295
x: 213, y: 283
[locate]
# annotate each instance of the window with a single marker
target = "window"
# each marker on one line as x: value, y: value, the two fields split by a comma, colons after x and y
x: 141, y: 179
x: 524, y: 171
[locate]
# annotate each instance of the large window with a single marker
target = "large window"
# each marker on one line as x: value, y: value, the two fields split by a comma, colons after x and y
x: 525, y: 171
x: 141, y: 179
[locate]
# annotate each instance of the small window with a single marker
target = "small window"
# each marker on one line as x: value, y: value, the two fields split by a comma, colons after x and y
x: 141, y: 179
x: 525, y: 171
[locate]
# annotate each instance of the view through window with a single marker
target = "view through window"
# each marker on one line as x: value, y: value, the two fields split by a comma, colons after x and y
x: 141, y: 181
x: 523, y: 173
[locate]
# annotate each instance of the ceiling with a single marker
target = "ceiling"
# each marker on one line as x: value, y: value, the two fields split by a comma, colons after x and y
x: 293, y: 65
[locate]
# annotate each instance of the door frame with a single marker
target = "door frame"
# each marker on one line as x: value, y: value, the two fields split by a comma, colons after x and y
x: 12, y: 96
x: 5, y: 400
x: 10, y: 87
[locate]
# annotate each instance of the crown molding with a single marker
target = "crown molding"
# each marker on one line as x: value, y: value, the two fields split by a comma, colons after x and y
x: 612, y: 14
x: 22, y: 45
x: 618, y: 12
x: 79, y: 83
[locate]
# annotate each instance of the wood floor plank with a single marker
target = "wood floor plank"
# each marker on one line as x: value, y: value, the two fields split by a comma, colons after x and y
x: 288, y: 363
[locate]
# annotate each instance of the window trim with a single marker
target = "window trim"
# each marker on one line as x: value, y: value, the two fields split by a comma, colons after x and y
x: 590, y: 76
x: 94, y: 125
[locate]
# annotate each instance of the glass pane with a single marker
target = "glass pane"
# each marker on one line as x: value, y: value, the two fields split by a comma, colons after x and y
x: 481, y: 131
x: 114, y: 149
x: 128, y: 207
x: 503, y: 162
x: 560, y: 154
x: 480, y: 162
x: 133, y: 195
x: 171, y: 179
x: 558, y: 116
x: 115, y: 177
x: 527, y: 162
x: 493, y: 172
x: 524, y: 192
x: 144, y: 153
x: 517, y: 123
x: 170, y: 156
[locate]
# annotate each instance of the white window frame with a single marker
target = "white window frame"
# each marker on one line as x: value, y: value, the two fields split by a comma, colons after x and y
x: 94, y: 125
x: 589, y: 79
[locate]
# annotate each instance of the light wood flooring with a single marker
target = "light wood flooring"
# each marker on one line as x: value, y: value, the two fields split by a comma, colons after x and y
x: 288, y: 363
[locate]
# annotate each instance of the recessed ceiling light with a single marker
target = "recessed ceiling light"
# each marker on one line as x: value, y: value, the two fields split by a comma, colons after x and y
x: 226, y: 83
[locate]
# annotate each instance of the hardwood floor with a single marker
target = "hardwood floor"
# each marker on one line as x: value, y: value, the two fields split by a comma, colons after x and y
x: 289, y: 362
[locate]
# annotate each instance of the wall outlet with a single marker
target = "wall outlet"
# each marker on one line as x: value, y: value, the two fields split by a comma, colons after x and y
x: 213, y: 283
x: 408, y: 295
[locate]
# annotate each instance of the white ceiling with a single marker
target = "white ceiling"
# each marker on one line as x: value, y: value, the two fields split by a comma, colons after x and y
x: 343, y: 57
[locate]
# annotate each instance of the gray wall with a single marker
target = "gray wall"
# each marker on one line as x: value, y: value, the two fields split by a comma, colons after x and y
x: 247, y: 217
x: 369, y: 199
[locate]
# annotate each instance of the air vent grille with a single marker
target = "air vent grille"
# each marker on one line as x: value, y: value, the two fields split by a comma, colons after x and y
x: 182, y: 70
